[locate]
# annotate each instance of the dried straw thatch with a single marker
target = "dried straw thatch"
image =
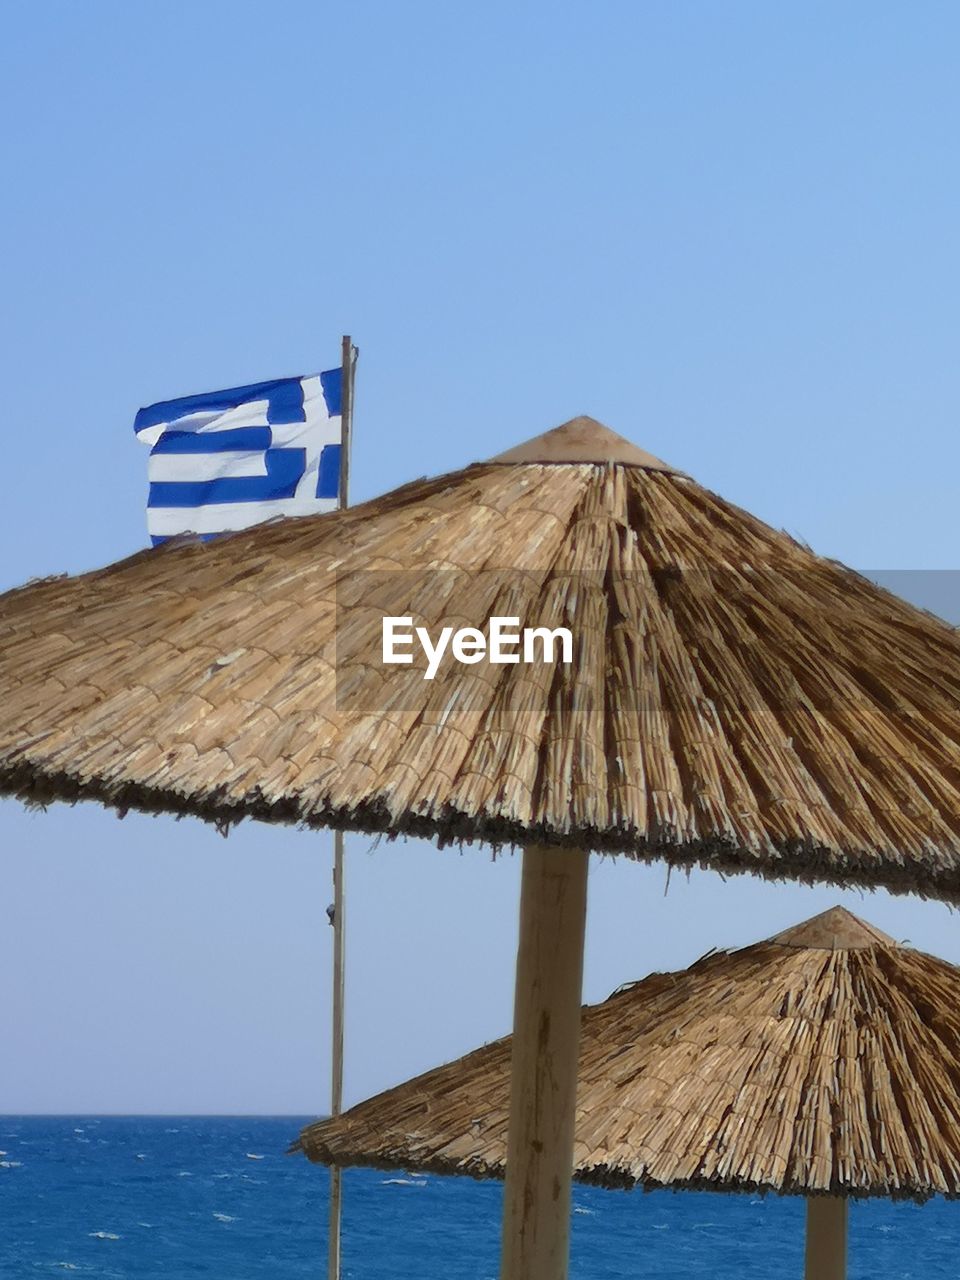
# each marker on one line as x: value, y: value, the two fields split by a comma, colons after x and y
x: 736, y: 701
x: 825, y: 1060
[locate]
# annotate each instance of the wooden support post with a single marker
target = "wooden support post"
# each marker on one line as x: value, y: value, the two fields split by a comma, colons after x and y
x: 826, y: 1253
x: 543, y: 1087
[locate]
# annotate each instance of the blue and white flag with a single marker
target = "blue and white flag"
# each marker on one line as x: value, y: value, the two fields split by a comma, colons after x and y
x: 231, y: 459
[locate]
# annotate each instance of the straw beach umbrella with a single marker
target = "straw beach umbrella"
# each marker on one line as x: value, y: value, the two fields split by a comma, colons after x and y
x: 734, y: 702
x: 824, y: 1062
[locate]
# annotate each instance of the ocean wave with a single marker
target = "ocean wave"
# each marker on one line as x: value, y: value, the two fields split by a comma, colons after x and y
x: 104, y: 1235
x: 224, y: 1217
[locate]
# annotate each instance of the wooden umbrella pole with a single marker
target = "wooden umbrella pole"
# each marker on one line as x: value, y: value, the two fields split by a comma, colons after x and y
x: 543, y: 1080
x: 826, y: 1252
x: 348, y: 361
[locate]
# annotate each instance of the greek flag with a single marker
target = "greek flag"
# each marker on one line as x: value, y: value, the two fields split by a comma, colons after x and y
x: 231, y: 459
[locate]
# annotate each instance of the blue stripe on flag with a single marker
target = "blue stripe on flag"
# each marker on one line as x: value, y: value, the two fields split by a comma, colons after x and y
x: 332, y: 384
x: 328, y: 478
x: 284, y: 398
x: 237, y: 438
x: 157, y: 540
x: 284, y: 469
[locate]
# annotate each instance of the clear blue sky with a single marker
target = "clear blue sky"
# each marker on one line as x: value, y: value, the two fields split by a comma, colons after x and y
x: 730, y: 230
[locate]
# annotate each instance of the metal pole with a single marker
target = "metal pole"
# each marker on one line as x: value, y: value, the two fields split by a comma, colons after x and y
x: 336, y: 1084
x: 348, y: 365
x: 336, y: 1089
x: 543, y: 1071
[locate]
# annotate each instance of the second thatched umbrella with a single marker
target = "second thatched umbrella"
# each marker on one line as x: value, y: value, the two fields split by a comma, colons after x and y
x: 734, y: 702
x: 824, y: 1062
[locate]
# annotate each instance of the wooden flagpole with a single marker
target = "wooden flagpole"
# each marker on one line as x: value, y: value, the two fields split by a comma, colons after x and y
x: 348, y: 364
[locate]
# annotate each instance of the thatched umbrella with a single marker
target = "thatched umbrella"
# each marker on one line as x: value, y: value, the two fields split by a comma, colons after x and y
x: 735, y: 702
x: 824, y: 1062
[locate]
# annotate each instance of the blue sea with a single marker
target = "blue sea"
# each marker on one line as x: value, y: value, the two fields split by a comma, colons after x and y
x: 144, y: 1198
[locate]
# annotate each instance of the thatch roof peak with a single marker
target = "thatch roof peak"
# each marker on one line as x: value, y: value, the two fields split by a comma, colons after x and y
x: 836, y: 929
x: 583, y: 439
